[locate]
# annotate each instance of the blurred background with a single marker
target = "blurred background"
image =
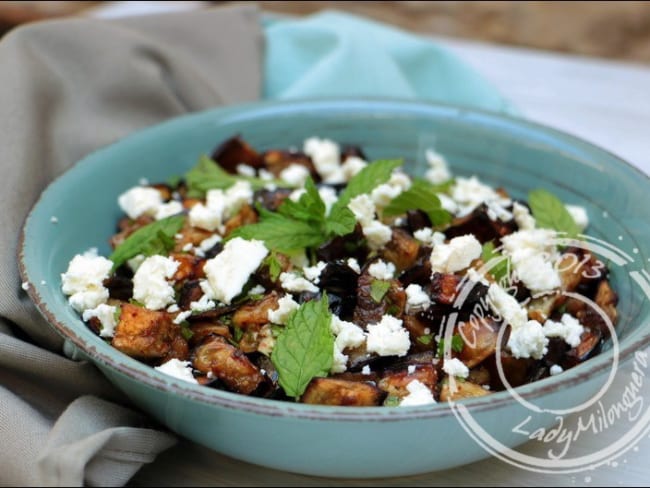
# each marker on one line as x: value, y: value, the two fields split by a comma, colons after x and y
x: 619, y: 30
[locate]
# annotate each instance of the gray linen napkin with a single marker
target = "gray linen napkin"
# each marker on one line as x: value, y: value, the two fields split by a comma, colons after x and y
x: 66, y: 88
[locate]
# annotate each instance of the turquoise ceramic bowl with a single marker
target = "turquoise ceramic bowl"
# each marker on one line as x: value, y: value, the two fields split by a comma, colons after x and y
x: 338, y: 441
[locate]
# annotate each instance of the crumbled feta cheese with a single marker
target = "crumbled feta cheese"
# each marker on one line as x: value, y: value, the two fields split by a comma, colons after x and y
x: 168, y: 209
x: 139, y: 201
x: 348, y: 335
x: 83, y: 280
x: 173, y: 308
x: 455, y: 367
x: 205, y: 217
x: 106, y: 316
x: 505, y: 306
x: 329, y: 197
x: 416, y: 298
x: 377, y: 234
x: 568, y: 329
x: 181, y: 317
x: 456, y: 255
x: 533, y: 254
x: 579, y: 215
x: 438, y: 171
x: 286, y: 305
x: 312, y: 273
x: 228, y: 271
x: 257, y: 290
x: 236, y: 197
x: 366, y: 370
x: 419, y: 394
x: 363, y: 209
x: 204, y: 303
x: 528, y: 341
x: 353, y: 264
x: 295, y: 283
x: 388, y: 337
x: 556, y: 369
x: 25, y: 285
x: 326, y: 156
x: 428, y: 237
x: 383, y: 194
x: 295, y: 175
x: 497, y: 211
x: 382, y: 270
x: 411, y: 369
x: 181, y: 370
x: 522, y: 216
x: 150, y: 285
x: 246, y: 170
x: 187, y: 247
x: 352, y: 166
x: 208, y: 243
x: 469, y: 193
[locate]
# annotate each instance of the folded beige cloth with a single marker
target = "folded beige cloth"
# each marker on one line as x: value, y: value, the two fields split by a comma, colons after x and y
x: 67, y: 88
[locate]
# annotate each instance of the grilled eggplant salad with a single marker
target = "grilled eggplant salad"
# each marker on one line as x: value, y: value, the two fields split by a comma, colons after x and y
x: 317, y: 276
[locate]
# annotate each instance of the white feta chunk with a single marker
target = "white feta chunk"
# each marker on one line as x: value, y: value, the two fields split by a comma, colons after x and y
x: 150, y: 283
x: 419, y: 394
x: 363, y: 209
x: 246, y: 170
x: 295, y: 283
x: 286, y: 306
x: 106, y: 316
x: 377, y: 234
x: 352, y: 166
x: 533, y: 254
x: 522, y: 216
x: 140, y: 200
x: 295, y: 175
x: 416, y: 298
x: 168, y: 209
x: 569, y: 329
x: 348, y: 335
x: 178, y: 369
x: 228, y: 271
x: 556, y: 369
x: 428, y: 237
x: 312, y: 273
x: 456, y: 255
x: 329, y: 197
x: 528, y: 341
x: 353, y: 264
x: 455, y: 367
x: 382, y: 270
x: 326, y: 156
x: 506, y: 307
x: 469, y: 193
x: 388, y: 337
x: 83, y: 280
x: 205, y: 217
x: 182, y: 316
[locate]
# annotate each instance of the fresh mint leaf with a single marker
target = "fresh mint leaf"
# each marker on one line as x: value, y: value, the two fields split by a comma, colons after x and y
x: 208, y: 175
x: 154, y: 238
x: 421, y: 196
x: 309, y: 208
x: 340, y: 221
x: 378, y: 289
x: 186, y: 331
x: 501, y: 266
x: 303, y: 350
x: 367, y: 180
x: 275, y: 267
x: 425, y: 339
x: 280, y: 233
x: 457, y: 345
x: 392, y: 401
x: 550, y: 213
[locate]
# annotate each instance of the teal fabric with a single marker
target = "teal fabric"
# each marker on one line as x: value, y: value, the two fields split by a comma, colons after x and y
x: 337, y: 54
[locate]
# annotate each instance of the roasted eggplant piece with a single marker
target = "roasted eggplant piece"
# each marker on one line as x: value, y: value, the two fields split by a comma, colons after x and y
x: 330, y: 391
x: 235, y: 151
x: 462, y: 389
x: 255, y: 313
x: 277, y: 160
x: 246, y: 215
x: 402, y: 250
x: 369, y: 310
x: 481, y: 225
x: 343, y: 247
x: 227, y: 363
x: 394, y: 382
x: 479, y: 340
x: 148, y: 334
x: 271, y: 199
x: 190, y: 267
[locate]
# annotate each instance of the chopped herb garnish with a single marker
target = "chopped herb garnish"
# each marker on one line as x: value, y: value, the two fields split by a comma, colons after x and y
x: 425, y: 339
x: 421, y: 196
x: 378, y: 289
x: 550, y: 213
x: 457, y: 344
x: 498, y: 265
